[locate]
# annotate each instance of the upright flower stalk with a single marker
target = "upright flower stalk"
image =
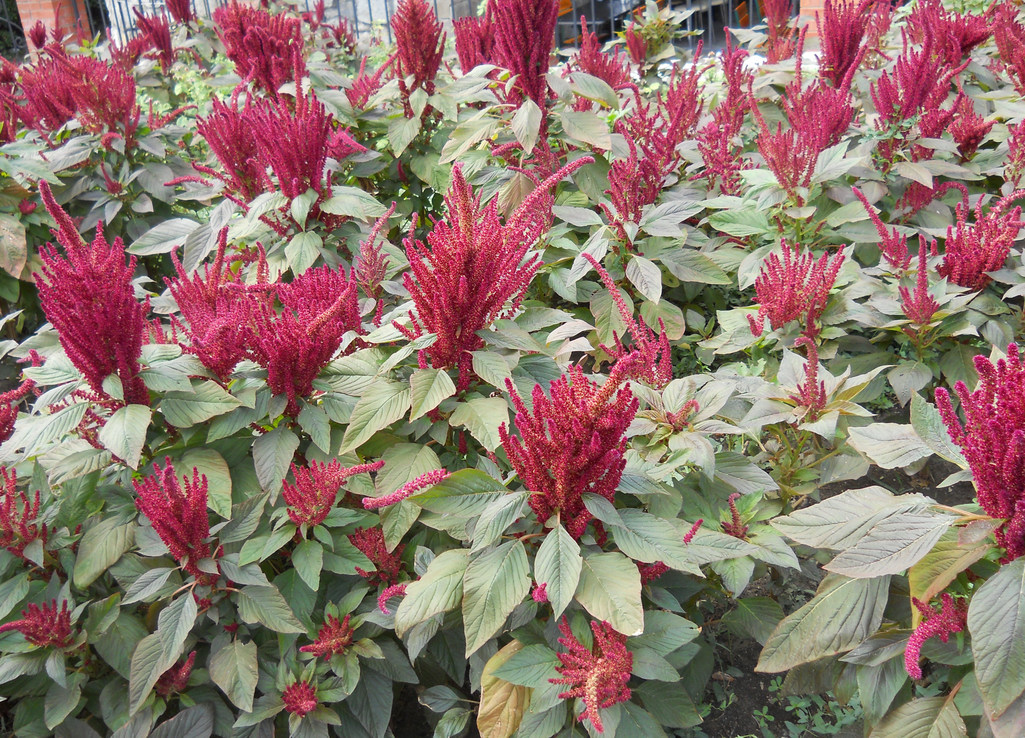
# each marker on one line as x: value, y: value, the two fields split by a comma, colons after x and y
x: 420, y: 44
x: 523, y: 43
x: 315, y: 490
x: 46, y: 626
x: 794, y: 287
x: 20, y: 525
x: 88, y: 297
x: 841, y: 29
x: 598, y: 677
x: 177, y: 515
x: 266, y: 48
x: 973, y: 250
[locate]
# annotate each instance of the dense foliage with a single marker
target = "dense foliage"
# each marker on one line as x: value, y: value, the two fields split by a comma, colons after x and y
x: 350, y: 372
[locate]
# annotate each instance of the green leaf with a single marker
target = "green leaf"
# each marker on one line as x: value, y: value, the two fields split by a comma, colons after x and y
x: 496, y: 518
x: 11, y: 593
x: 272, y: 456
x: 314, y: 420
x: 693, y: 266
x: 207, y: 400
x: 741, y: 222
x: 303, y: 250
x: 531, y: 666
x: 265, y: 605
x: 594, y: 88
x: 526, y: 124
x: 610, y: 589
x: 646, y: 277
x: 218, y: 477
x: 353, y: 202
x: 754, y: 617
x: 381, y: 404
x: 889, y: 445
x: 428, y: 387
x: 928, y: 717
x: 402, y: 131
x: 843, y: 613
x: 61, y: 701
x: 159, y: 651
x: 502, y: 704
x: 588, y: 128
x: 648, y: 538
x: 164, y: 237
x: 996, y: 620
x: 928, y: 424
x: 494, y: 583
x: 439, y: 590
x: 664, y: 632
x: 124, y: 433
x: 308, y: 560
x: 482, y: 416
x: 492, y: 368
x: 557, y: 565
x: 892, y: 545
x: 235, y: 669
x: 195, y: 722
x: 100, y: 548
x: 948, y: 558
x: 466, y: 493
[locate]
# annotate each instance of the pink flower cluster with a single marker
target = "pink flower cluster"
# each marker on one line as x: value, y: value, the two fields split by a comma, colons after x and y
x: 316, y: 489
x: 333, y: 638
x: 178, y: 516
x: 939, y: 623
x: 992, y: 440
x: 717, y: 139
x: 420, y: 44
x: 88, y: 297
x: 599, y: 676
x: 920, y: 306
x: 387, y: 564
x: 811, y: 393
x: 954, y: 35
x: 524, y: 38
x: 9, y: 402
x: 300, y: 698
x: 974, y: 249
x: 475, y: 39
x: 175, y: 679
x: 572, y: 443
x: 44, y: 627
x: 266, y: 48
x: 795, y: 287
x: 613, y: 68
x: 841, y: 30
x: 19, y: 516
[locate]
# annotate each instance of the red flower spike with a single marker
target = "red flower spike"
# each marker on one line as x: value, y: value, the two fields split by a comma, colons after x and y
x: 178, y: 517
x: 300, y: 698
x: 420, y: 44
x: 333, y: 638
x: 613, y: 68
x: 387, y: 565
x: 1009, y: 35
x: 366, y: 85
x: 475, y: 38
x: 781, y: 43
x: 46, y: 626
x: 572, y: 443
x: 811, y: 393
x: 955, y: 35
x: 655, y: 365
x: 972, y: 250
x: 789, y: 155
x: 87, y: 295
x: 820, y: 113
x: 1015, y: 167
x: 735, y: 526
x: 841, y: 31
x: 634, y: 183
x: 316, y: 489
x: 796, y: 287
x: 968, y: 128
x: 175, y: 679
x: 266, y: 48
x: 232, y: 139
x: 524, y: 38
x: 919, y: 306
x: 394, y: 590
x: 157, y: 32
x: 9, y: 402
x: 597, y: 677
x: 992, y: 440
x: 651, y: 572
x: 424, y: 481
x: 19, y: 516
x: 372, y: 267
x: 716, y: 145
x: 181, y: 11
x: 950, y: 618
x: 474, y: 270
x: 636, y: 45
x: 893, y: 245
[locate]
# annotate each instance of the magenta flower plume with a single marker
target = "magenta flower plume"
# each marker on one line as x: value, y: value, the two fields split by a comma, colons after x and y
x: 1009, y: 35
x: 1015, y: 167
x: 717, y: 140
x: 319, y: 307
x: 300, y: 698
x: 9, y: 402
x: 175, y: 679
x: 634, y: 182
x: 387, y: 564
x: 157, y: 32
x: 372, y: 267
x: 266, y: 48
x: 46, y: 626
x: 19, y: 516
x: 540, y: 593
x: 88, y: 297
x: 333, y: 638
x: 790, y: 156
x: 473, y: 270
x: 795, y: 287
x: 394, y: 590
x: 955, y: 35
x: 819, y: 113
x: 919, y: 306
x: 366, y: 85
x: 316, y: 489
x: 524, y: 41
x: 811, y: 393
x: 597, y: 677
x: 892, y: 245
x: 178, y: 516
x: 655, y: 365
x: 841, y: 30
x: 968, y: 128
x: 781, y: 43
x: 420, y: 43
x: 612, y: 67
x: 475, y: 38
x: 572, y: 443
x: 636, y: 44
x: 992, y: 440
x: 181, y: 11
x: 232, y: 140
x: 735, y: 526
x: 37, y: 34
x: 972, y: 250
x: 939, y: 623
x: 429, y: 479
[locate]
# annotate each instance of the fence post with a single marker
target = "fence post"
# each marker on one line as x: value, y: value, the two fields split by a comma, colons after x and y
x: 70, y: 15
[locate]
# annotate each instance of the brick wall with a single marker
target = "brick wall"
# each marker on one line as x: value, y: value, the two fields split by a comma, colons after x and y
x: 807, y: 15
x: 54, y: 13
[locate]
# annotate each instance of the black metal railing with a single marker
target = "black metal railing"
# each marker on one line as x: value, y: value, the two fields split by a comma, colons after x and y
x: 12, y: 35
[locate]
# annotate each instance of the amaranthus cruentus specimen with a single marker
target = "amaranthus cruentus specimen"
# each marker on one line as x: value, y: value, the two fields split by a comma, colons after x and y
x: 475, y: 37
x: 44, y: 627
x: 9, y: 407
x: 176, y: 678
x: 717, y: 139
x: 316, y: 489
x: 387, y: 564
x: 87, y: 295
x: 266, y: 48
x: 939, y: 623
x: 571, y: 443
x: 892, y: 244
x: 599, y: 676
x: 333, y: 638
x: 919, y: 306
x: 178, y: 516
x: 420, y: 43
x: 973, y: 250
x: 473, y: 270
x: 524, y: 40
x: 232, y: 139
x: 796, y: 286
x: 992, y: 440
x: 613, y: 68
x: 300, y: 698
x: 19, y: 516
x: 841, y: 32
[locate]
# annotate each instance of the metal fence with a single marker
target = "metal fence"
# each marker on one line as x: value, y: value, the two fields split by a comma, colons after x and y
x: 12, y: 35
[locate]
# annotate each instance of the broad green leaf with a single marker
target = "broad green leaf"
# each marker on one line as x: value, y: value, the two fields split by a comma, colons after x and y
x: 531, y: 666
x: 218, y: 477
x: 272, y: 456
x: 492, y: 368
x: 207, y: 400
x: 11, y: 593
x: 235, y: 669
x: 664, y: 632
x: 100, y: 548
x: 164, y: 237
x: 646, y: 277
x: 428, y: 387
x: 494, y: 583
x: 308, y: 560
x: 195, y: 722
x: 892, y: 545
x: 754, y: 617
x: 948, y: 558
x: 61, y: 701
x: 467, y: 493
x: 315, y: 421
x: 843, y: 613
x: 610, y: 589
x: 265, y: 605
x: 526, y: 124
x: 124, y: 433
x: 648, y: 538
x: 588, y: 128
x: 482, y: 416
x: 353, y: 202
x: 502, y: 704
x: 439, y: 590
x: 159, y: 651
x: 693, y: 266
x: 401, y: 132
x: 303, y: 250
x: 928, y: 717
x: 557, y: 566
x: 742, y: 222
x: 889, y: 445
x: 996, y: 620
x: 496, y: 518
x: 928, y: 424
x: 381, y: 404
